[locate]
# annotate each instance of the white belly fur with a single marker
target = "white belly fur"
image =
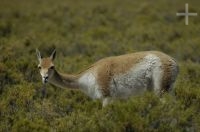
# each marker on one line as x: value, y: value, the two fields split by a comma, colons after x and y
x: 138, y: 79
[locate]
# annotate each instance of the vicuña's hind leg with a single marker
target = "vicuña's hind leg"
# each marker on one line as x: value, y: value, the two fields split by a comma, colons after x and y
x: 170, y: 72
x: 157, y: 81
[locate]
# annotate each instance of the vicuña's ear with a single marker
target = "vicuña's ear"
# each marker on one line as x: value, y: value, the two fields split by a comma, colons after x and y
x: 53, y: 54
x: 38, y: 55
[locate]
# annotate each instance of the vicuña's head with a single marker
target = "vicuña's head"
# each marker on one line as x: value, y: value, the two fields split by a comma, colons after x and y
x: 46, y: 66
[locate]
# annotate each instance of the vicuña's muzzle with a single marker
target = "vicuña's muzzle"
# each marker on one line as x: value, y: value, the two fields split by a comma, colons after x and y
x: 45, y: 79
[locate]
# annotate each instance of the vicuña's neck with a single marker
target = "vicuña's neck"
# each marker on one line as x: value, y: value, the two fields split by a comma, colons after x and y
x: 64, y: 80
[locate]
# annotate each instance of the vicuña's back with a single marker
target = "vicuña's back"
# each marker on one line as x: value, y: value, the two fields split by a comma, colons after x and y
x: 117, y: 77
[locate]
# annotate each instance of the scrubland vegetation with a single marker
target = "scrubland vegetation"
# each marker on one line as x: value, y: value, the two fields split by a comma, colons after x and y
x: 84, y: 32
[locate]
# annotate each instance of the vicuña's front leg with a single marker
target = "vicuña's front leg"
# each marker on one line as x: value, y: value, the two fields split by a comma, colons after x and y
x: 106, y: 101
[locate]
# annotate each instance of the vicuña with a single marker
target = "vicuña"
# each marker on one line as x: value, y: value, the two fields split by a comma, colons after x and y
x: 116, y: 77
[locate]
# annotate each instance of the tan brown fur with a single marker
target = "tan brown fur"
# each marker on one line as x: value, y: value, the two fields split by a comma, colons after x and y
x: 46, y: 63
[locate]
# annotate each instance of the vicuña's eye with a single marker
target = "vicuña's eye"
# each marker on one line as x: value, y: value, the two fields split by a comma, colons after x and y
x: 39, y: 67
x: 52, y: 67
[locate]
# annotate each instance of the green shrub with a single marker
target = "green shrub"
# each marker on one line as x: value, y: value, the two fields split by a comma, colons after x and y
x: 83, y: 32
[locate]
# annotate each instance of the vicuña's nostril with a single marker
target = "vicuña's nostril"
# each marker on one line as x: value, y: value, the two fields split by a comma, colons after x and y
x: 46, y: 78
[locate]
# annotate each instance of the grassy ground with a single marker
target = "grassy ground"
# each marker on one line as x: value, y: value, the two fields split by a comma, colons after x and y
x: 83, y: 32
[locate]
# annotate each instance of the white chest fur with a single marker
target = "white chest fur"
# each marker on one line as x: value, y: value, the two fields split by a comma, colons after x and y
x: 88, y: 85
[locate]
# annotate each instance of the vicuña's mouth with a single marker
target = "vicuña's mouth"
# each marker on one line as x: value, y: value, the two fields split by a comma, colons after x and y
x: 45, y: 80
